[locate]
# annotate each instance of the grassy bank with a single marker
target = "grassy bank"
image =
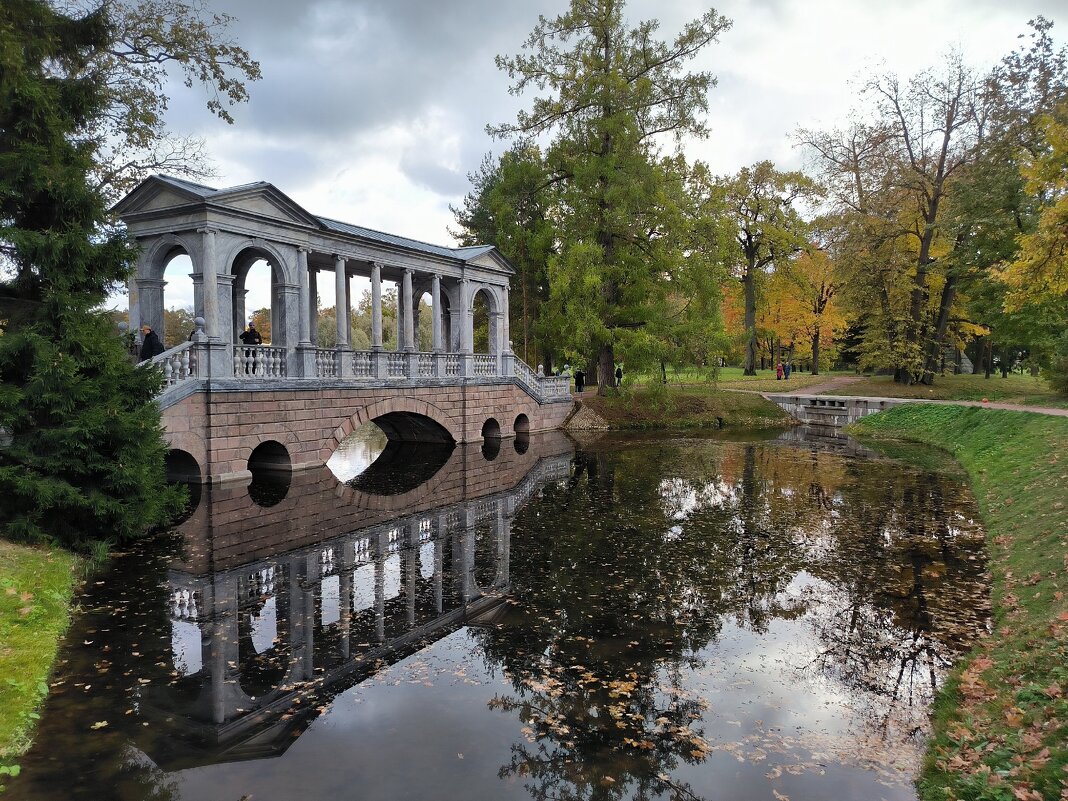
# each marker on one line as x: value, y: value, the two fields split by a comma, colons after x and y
x: 691, y: 406
x: 1026, y: 390
x: 733, y: 378
x: 1001, y: 722
x: 36, y: 587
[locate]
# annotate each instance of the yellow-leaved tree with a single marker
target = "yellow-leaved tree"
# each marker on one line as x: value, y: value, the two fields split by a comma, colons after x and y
x: 1040, y: 270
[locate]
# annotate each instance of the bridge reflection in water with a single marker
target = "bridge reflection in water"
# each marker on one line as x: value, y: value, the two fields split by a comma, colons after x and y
x: 276, y: 610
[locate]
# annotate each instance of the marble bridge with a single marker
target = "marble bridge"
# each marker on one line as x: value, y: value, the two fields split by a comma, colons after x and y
x: 229, y: 408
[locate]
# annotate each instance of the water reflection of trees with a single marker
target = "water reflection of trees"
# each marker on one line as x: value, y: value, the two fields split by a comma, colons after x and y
x: 607, y: 622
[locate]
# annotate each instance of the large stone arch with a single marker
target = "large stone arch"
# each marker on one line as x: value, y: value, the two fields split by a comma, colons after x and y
x: 158, y: 253
x: 395, y: 405
x: 240, y: 256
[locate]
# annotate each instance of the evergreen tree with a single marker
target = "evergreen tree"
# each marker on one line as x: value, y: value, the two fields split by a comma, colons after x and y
x: 82, y: 453
x: 614, y: 96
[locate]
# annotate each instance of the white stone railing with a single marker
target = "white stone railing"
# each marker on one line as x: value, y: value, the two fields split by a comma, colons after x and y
x: 198, y: 360
x: 179, y: 364
x: 485, y: 364
x: 425, y: 365
x: 553, y: 387
x: 363, y: 365
x: 396, y: 364
x: 326, y: 363
x: 259, y: 361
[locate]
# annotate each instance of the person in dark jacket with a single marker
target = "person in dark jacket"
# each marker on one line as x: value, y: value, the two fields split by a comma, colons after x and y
x: 251, y: 336
x: 150, y: 344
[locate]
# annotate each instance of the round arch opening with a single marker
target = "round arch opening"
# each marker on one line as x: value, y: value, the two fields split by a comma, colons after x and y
x: 521, y: 425
x: 179, y: 302
x: 256, y: 276
x: 271, y: 470
x: 483, y: 306
x: 491, y: 429
x: 182, y: 466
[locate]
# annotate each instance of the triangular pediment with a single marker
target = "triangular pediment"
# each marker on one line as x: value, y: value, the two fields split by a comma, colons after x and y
x: 265, y: 201
x: 156, y: 193
x: 492, y: 260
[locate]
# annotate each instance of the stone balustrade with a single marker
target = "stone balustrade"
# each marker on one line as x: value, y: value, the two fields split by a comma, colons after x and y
x: 201, y: 359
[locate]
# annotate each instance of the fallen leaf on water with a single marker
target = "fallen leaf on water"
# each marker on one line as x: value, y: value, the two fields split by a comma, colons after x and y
x: 100, y: 724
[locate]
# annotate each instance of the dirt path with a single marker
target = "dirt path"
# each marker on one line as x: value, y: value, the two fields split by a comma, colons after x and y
x: 827, y: 386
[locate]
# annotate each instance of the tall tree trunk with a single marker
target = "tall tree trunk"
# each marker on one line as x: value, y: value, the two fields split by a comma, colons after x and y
x: 816, y: 351
x: 750, y: 321
x: 937, y: 344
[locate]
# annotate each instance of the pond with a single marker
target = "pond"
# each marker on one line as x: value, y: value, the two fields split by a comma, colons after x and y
x: 675, y: 617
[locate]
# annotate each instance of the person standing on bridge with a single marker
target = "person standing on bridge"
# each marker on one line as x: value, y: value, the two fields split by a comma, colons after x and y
x: 250, y: 336
x: 150, y: 344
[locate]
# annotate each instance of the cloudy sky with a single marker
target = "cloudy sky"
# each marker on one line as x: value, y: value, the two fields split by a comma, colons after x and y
x: 374, y: 111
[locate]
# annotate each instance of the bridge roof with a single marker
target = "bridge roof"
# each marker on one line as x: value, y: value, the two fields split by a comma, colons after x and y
x: 135, y: 200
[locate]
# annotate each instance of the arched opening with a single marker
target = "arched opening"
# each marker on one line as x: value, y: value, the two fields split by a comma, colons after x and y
x: 178, y: 298
x: 424, y: 322
x: 256, y: 282
x: 491, y: 429
x: 181, y: 466
x: 521, y: 443
x: 357, y: 452
x: 271, y: 470
x: 521, y: 425
x: 412, y: 427
x: 485, y: 335
x: 372, y: 462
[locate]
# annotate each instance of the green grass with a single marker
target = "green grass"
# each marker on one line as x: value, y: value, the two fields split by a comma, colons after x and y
x: 1001, y: 722
x: 690, y: 406
x: 733, y: 378
x: 36, y: 587
x: 1026, y: 390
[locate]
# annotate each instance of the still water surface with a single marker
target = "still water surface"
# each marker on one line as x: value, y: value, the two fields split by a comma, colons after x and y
x: 669, y: 617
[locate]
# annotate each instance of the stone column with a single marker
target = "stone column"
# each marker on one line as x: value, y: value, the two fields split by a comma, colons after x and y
x: 341, y: 302
x: 303, y: 359
x: 376, y: 306
x: 379, y: 364
x: 150, y: 291
x: 435, y: 319
x: 226, y: 310
x: 305, y: 299
x: 209, y: 273
x: 313, y: 306
x: 287, y: 317
x: 467, y: 329
x: 406, y: 304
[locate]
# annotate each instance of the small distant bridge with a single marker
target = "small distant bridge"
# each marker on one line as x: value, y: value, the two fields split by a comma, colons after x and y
x: 229, y: 408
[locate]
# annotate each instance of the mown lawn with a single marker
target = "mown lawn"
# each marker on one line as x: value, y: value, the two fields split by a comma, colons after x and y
x: 1001, y: 722
x: 36, y: 587
x: 733, y: 378
x: 1026, y: 390
x: 687, y: 406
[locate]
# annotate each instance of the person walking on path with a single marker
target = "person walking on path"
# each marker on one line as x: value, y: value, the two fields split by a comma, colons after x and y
x: 778, y: 372
x: 580, y: 379
x: 619, y: 376
x: 150, y: 344
x: 786, y: 371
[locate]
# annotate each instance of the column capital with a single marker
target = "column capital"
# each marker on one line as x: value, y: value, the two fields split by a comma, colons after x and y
x: 304, y: 249
x: 339, y: 258
x: 208, y: 230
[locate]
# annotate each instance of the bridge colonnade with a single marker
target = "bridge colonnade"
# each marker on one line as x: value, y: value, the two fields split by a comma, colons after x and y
x: 221, y: 257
